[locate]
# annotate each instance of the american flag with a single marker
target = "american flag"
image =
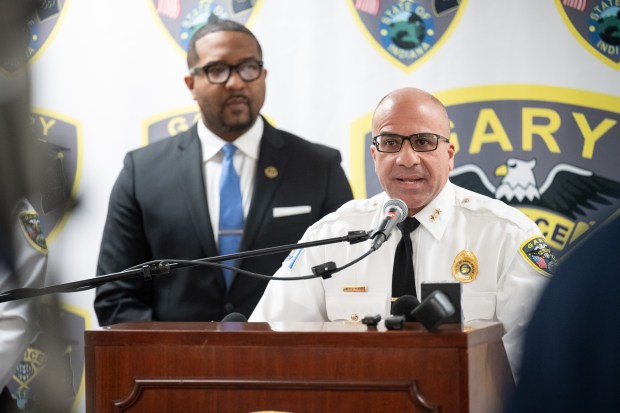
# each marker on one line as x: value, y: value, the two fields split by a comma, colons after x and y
x: 368, y: 6
x: 576, y: 4
x: 169, y: 8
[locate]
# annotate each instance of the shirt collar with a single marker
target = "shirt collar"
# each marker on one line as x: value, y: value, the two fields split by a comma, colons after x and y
x: 248, y: 143
x: 436, y: 215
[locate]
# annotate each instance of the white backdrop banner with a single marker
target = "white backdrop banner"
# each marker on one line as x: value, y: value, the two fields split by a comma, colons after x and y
x: 532, y: 89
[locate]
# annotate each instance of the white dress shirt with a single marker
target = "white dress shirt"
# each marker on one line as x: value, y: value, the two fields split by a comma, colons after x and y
x: 245, y: 160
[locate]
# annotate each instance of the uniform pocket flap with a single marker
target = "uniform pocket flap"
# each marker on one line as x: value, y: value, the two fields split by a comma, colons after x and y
x: 353, y: 306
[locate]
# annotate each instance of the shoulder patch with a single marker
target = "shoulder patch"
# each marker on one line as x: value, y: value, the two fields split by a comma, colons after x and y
x: 537, y: 253
x: 31, y: 226
x: 291, y: 259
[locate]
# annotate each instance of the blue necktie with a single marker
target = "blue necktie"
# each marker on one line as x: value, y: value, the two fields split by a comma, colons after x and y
x: 231, y: 211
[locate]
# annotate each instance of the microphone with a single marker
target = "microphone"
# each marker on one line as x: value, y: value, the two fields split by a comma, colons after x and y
x: 404, y: 305
x: 395, y: 211
x: 235, y: 317
x: 434, y: 310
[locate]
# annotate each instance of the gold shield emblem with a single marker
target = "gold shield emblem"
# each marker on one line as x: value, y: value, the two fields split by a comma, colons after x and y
x: 465, y: 266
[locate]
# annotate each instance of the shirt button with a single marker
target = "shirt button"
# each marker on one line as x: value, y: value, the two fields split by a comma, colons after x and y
x: 354, y: 317
x: 228, y: 307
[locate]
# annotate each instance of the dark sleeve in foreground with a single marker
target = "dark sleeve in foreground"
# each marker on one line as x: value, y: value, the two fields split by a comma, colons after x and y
x: 571, y: 359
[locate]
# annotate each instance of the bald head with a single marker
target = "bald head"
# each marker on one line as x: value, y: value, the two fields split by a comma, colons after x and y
x: 415, y: 105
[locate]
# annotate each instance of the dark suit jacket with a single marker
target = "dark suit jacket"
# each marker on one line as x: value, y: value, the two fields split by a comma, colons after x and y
x: 571, y: 355
x: 158, y: 210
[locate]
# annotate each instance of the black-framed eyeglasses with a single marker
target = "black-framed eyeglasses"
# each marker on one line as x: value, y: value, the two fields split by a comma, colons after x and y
x: 420, y: 142
x: 218, y: 73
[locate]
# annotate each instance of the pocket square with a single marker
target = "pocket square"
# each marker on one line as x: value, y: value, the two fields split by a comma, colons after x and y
x: 280, y: 212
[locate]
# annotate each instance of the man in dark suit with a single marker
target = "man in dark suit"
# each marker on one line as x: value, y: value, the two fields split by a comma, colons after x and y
x: 165, y: 203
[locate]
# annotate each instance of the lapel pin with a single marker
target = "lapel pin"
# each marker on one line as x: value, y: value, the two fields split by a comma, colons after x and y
x: 271, y: 172
x: 435, y: 214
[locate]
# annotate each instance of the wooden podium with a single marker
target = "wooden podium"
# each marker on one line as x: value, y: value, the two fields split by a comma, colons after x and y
x: 294, y: 367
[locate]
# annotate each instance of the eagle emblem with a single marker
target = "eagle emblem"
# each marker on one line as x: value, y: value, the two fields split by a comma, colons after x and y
x: 567, y: 189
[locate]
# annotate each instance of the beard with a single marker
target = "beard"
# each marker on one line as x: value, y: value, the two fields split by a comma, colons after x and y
x: 238, y: 125
x: 235, y: 122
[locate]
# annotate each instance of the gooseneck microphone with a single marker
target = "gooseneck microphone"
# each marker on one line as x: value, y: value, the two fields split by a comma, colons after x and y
x: 394, y: 211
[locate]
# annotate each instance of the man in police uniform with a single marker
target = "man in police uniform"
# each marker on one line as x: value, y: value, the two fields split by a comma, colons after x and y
x: 495, y: 251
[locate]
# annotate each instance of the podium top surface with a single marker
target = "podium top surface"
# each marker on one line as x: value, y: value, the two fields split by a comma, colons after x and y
x: 327, y: 333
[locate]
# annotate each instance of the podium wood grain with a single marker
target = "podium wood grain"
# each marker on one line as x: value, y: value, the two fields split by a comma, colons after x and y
x: 294, y: 367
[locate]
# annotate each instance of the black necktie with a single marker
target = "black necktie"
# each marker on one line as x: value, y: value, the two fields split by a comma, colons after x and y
x: 403, y: 277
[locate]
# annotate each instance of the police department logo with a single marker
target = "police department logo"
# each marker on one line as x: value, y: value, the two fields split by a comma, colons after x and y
x: 596, y: 24
x: 538, y: 254
x: 51, y: 370
x: 31, y: 226
x: 61, y: 138
x: 169, y: 123
x: 550, y: 152
x: 175, y: 121
x: 181, y: 18
x: 37, y: 33
x: 406, y: 31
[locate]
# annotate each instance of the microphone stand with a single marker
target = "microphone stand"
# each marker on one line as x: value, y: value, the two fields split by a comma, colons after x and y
x: 160, y: 267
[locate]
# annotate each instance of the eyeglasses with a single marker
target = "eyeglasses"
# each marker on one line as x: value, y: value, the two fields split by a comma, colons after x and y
x: 219, y: 73
x: 420, y: 142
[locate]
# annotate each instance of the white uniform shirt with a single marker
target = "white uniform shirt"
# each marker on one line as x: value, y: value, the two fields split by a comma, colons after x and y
x: 30, y: 261
x: 505, y: 289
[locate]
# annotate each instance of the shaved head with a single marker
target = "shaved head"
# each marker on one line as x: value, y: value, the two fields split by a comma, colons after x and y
x: 413, y: 98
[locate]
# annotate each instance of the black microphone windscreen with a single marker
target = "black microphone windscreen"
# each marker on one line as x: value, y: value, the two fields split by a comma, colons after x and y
x: 235, y: 317
x: 405, y: 305
x: 434, y: 310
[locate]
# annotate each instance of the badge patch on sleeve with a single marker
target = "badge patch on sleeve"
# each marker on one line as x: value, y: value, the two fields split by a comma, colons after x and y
x: 538, y: 254
x: 29, y: 221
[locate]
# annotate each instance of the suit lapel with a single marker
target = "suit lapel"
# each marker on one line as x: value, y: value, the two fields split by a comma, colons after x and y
x: 272, y: 160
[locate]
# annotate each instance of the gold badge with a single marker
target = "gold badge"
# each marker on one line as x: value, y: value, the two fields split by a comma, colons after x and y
x: 435, y: 214
x: 465, y: 266
x: 271, y: 172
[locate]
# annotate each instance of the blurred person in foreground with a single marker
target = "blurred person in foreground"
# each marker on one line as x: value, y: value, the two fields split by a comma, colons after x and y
x: 571, y: 356
x: 166, y: 200
x: 495, y: 251
x: 23, y: 252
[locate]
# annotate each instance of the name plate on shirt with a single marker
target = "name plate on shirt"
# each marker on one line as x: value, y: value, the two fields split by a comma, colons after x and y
x: 453, y: 291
